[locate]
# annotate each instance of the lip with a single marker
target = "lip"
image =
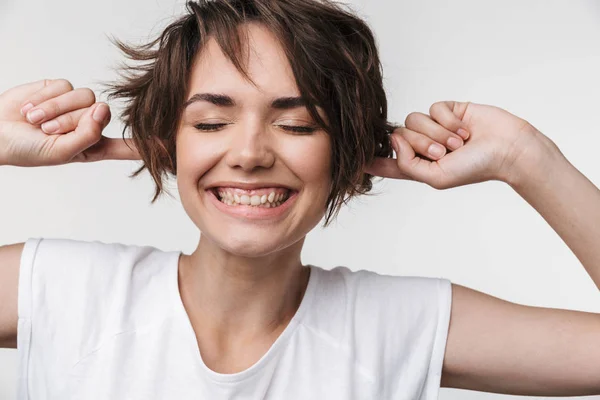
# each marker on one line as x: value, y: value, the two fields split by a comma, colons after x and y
x: 253, y: 212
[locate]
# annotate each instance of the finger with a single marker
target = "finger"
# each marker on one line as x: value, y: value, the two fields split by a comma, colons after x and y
x: 69, y: 101
x: 24, y: 91
x: 50, y: 89
x: 20, y: 94
x: 423, y: 144
x: 64, y: 123
x: 449, y: 114
x: 87, y: 133
x: 424, y: 124
x: 417, y: 168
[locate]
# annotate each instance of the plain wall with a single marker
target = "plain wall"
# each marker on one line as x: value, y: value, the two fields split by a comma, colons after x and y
x: 537, y: 59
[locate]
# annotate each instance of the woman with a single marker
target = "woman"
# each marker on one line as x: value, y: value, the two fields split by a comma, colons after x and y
x: 266, y: 134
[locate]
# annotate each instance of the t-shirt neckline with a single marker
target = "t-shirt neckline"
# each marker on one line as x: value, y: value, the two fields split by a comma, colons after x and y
x: 281, y: 340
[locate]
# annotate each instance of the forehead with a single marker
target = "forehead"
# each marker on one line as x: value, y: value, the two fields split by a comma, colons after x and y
x: 265, y: 61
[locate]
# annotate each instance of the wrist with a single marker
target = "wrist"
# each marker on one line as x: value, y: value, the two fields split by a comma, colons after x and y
x: 532, y: 161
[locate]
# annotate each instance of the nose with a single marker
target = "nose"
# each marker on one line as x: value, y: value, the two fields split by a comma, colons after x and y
x: 250, y: 147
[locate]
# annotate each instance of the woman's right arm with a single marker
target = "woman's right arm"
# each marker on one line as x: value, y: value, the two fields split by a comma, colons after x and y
x: 69, y: 131
x: 10, y: 257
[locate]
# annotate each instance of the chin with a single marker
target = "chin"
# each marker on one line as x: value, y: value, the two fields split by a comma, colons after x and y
x: 251, y: 246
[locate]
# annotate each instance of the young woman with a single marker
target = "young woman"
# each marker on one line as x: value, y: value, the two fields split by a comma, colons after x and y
x: 271, y: 114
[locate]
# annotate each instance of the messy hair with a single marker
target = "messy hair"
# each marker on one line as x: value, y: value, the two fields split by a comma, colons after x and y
x: 334, y: 59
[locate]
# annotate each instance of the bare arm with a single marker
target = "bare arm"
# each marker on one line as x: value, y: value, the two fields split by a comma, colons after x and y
x: 566, y: 199
x: 28, y: 143
x: 503, y: 347
x: 10, y: 257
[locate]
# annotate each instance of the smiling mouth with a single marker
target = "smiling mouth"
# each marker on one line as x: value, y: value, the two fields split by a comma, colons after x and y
x: 269, y: 199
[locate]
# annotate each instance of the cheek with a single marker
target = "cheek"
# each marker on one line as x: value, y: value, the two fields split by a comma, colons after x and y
x: 312, y: 165
x: 311, y: 162
x: 194, y: 159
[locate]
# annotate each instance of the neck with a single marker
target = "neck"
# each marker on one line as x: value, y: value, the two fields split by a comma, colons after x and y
x: 231, y: 297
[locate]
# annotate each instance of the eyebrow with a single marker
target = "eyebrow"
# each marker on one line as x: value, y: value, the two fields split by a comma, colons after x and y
x: 281, y: 103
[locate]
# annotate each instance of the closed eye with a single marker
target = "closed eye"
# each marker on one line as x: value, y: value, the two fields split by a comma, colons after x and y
x: 299, y: 129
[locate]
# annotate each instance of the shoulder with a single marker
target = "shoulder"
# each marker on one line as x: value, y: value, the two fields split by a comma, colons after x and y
x: 69, y: 249
x: 71, y: 259
x: 364, y: 298
x: 371, y: 286
x: 59, y: 269
x: 89, y: 289
x: 74, y: 294
x: 392, y: 325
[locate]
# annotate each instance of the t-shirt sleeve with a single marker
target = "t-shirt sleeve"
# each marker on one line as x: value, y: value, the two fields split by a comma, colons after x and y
x: 64, y: 289
x: 402, y: 324
x: 438, y: 346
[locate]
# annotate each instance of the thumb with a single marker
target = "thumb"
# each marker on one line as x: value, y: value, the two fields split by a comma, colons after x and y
x: 111, y: 149
x: 86, y: 134
x: 417, y: 168
x: 87, y: 144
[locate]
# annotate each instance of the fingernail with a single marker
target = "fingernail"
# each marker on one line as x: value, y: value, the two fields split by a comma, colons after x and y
x: 436, y: 150
x: 50, y: 126
x: 100, y: 113
x: 462, y: 133
x: 454, y: 143
x: 36, y: 116
x: 26, y: 108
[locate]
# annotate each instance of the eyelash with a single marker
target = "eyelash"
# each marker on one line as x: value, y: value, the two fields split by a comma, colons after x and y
x: 298, y: 129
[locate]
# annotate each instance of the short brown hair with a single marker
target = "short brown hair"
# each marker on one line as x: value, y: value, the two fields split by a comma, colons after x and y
x: 334, y: 58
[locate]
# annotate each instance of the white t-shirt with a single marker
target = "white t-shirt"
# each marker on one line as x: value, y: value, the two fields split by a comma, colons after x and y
x: 106, y: 321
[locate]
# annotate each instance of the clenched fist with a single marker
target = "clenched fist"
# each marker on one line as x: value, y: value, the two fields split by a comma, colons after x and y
x: 49, y: 123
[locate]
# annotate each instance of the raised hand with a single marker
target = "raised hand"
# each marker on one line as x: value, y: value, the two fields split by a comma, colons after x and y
x: 490, y: 142
x: 49, y: 123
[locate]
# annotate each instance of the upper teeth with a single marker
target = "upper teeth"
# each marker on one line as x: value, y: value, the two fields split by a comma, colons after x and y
x: 255, y: 200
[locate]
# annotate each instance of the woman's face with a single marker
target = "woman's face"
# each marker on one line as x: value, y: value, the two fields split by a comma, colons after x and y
x: 253, y: 144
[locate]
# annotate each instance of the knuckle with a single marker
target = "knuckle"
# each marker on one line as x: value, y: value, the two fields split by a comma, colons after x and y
x: 435, y: 107
x: 64, y: 84
x: 526, y: 127
x: 402, y: 165
x: 438, y: 183
x: 92, y: 135
x: 402, y: 131
x: 433, y: 184
x: 53, y: 107
x: 411, y: 118
x: 408, y: 134
x: 69, y: 121
x: 88, y: 95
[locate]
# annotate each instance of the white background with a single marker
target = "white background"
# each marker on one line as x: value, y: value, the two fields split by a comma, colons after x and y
x: 537, y: 59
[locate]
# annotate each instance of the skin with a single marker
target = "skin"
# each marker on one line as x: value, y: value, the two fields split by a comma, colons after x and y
x: 252, y: 274
x: 245, y: 280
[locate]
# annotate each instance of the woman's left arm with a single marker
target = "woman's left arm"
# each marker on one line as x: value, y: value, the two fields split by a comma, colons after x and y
x: 495, y: 345
x: 565, y: 198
